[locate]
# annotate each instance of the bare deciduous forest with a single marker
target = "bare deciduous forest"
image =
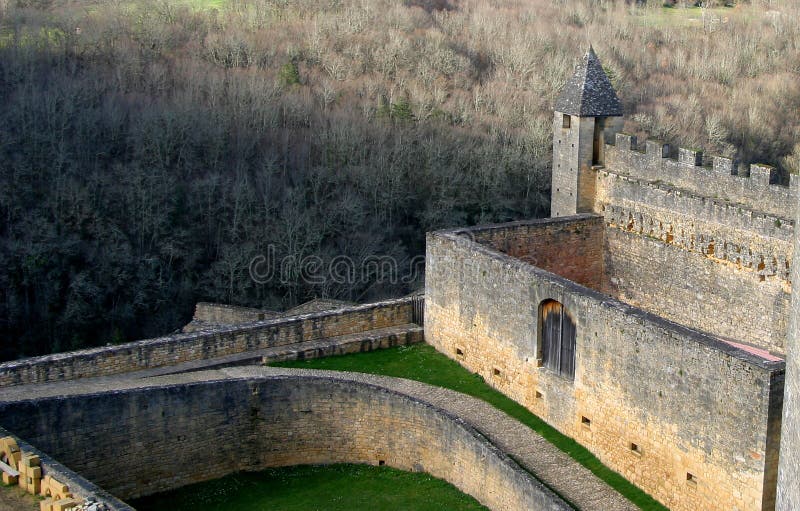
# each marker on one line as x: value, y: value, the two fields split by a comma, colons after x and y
x: 149, y: 149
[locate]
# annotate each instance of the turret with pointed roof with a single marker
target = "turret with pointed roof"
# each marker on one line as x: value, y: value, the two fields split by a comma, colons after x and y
x: 589, y: 92
x: 587, y: 113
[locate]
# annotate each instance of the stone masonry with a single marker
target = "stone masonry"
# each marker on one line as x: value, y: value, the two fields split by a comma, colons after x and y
x: 788, y: 498
x: 175, y: 430
x: 684, y: 415
x: 677, y: 275
x: 209, y: 344
x: 674, y: 271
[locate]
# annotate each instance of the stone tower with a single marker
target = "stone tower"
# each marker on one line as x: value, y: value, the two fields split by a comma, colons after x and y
x: 788, y: 494
x: 587, y: 113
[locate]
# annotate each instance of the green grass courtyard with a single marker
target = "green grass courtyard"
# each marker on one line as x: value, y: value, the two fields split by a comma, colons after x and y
x: 311, y: 488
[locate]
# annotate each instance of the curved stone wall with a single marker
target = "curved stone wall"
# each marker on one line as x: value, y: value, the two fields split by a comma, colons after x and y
x: 146, y: 440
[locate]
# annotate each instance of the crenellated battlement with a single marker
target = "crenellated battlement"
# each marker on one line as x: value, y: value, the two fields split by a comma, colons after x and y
x: 708, y: 221
x: 756, y: 188
x: 690, y: 237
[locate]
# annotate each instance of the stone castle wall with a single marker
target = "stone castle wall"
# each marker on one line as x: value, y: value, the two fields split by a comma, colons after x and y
x: 569, y: 246
x: 223, y: 314
x: 755, y: 189
x: 788, y: 498
x: 206, y: 344
x: 162, y: 437
x: 695, y: 291
x: 686, y: 417
x: 701, y: 246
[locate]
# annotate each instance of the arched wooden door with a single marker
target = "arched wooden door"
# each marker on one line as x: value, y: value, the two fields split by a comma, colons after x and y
x: 557, y: 338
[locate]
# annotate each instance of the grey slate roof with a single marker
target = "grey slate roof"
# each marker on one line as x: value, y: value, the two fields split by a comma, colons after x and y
x: 589, y: 92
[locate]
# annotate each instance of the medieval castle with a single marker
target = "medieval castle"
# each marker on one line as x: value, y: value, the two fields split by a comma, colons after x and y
x: 651, y: 318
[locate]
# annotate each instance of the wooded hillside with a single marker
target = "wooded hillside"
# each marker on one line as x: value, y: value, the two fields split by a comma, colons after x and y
x: 150, y: 149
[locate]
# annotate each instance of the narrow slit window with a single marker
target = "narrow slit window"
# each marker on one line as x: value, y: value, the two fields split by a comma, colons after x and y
x: 566, y: 121
x: 586, y: 421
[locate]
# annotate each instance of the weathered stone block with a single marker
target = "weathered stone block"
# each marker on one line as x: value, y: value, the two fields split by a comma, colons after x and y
x: 723, y: 166
x: 625, y: 142
x: 65, y: 504
x: 656, y: 149
x: 690, y: 157
x: 762, y: 175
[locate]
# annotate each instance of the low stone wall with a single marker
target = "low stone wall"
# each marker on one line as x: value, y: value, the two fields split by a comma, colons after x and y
x: 79, y: 486
x: 222, y: 314
x: 146, y: 440
x: 205, y: 344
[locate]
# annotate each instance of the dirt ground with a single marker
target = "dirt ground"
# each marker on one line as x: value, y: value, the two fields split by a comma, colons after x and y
x: 14, y: 499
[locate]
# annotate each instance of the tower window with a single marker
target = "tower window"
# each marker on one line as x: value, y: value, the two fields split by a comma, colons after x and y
x: 565, y: 121
x: 557, y: 335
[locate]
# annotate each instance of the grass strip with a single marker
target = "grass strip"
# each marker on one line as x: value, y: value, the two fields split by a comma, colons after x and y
x: 421, y: 362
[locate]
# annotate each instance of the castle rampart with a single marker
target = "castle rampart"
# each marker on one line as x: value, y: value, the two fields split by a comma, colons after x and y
x: 703, y: 255
x: 756, y: 189
x: 788, y: 498
x: 167, y: 435
x: 652, y: 333
x: 685, y: 416
x: 206, y: 344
